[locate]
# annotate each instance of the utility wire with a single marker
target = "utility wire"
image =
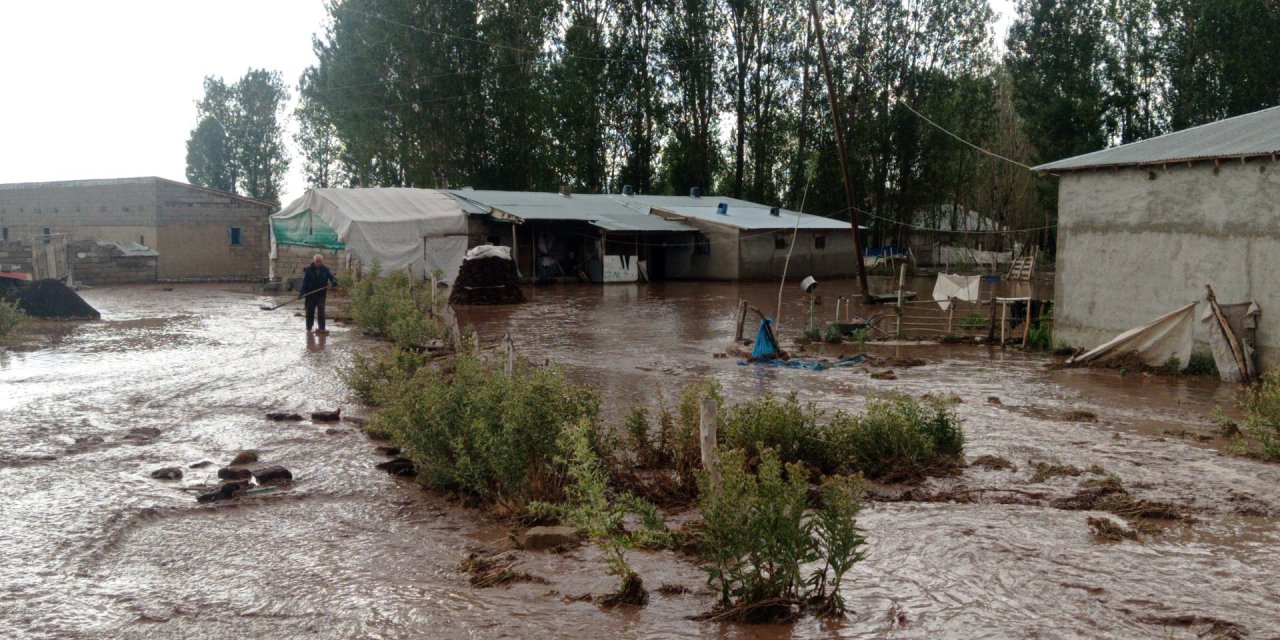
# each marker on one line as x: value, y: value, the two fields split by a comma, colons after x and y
x: 962, y: 140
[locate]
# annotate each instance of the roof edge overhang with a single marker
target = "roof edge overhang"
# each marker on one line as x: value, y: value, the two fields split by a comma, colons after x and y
x: 1049, y: 169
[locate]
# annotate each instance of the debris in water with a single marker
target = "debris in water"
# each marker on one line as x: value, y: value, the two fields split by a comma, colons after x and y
x: 1080, y: 416
x: 631, y: 593
x: 496, y: 570
x: 51, y: 299
x: 1214, y: 628
x: 884, y: 375
x: 399, y: 466
x: 281, y: 416
x: 994, y: 400
x: 669, y: 589
x: 540, y: 538
x: 1047, y: 470
x: 1108, y: 529
x: 200, y: 465
x: 227, y: 491
x: 167, y: 473
x: 994, y: 463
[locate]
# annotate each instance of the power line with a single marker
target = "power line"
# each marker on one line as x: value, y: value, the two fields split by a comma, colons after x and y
x: 962, y: 140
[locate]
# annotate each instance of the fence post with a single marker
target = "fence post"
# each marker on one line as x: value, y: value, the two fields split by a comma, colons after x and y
x: 510, y: 346
x: 707, y: 437
x: 742, y: 320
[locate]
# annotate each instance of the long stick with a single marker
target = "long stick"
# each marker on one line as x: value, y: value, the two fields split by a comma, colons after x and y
x: 844, y: 160
x: 268, y: 308
x: 786, y: 265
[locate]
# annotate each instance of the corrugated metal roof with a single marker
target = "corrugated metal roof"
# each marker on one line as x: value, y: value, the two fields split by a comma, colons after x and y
x: 741, y: 213
x: 609, y: 212
x: 1250, y: 135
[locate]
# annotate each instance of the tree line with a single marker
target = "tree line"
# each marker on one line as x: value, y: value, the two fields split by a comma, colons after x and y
x: 728, y: 96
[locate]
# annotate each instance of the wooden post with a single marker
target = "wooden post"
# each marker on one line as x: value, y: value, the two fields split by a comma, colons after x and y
x: 707, y: 438
x: 742, y: 321
x: 509, y: 346
x: 951, y: 314
x: 1004, y: 313
x: 1026, y: 325
x: 991, y: 323
x: 902, y: 279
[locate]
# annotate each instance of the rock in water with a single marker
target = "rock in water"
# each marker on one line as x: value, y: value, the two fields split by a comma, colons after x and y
x: 227, y: 491
x: 234, y: 473
x: 244, y: 457
x: 549, y: 537
x: 167, y: 473
x: 326, y: 416
x: 272, y: 474
x: 280, y: 416
x: 399, y: 467
x: 51, y: 299
x: 200, y: 465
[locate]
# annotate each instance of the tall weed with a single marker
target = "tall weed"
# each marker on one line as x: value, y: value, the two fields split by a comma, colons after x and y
x: 11, y: 317
x: 1261, y: 422
x: 896, y: 438
x: 781, y: 424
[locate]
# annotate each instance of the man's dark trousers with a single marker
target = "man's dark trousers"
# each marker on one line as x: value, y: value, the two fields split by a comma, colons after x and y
x: 315, y: 309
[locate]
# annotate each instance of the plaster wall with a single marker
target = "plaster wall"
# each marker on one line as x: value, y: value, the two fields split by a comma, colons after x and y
x: 1135, y: 244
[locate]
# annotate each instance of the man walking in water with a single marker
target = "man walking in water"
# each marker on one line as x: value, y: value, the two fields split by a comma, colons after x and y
x: 315, y: 277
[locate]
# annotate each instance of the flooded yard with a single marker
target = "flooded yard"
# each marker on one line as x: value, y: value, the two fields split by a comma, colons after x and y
x: 94, y: 547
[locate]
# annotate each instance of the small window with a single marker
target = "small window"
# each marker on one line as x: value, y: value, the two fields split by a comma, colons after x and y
x: 780, y: 242
x: 819, y: 242
x: 45, y: 232
x: 702, y: 245
x: 235, y: 237
x: 4, y: 234
x: 142, y: 240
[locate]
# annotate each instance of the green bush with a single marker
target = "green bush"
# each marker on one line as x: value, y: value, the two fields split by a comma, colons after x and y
x: 832, y: 334
x: 897, y: 438
x: 758, y: 538
x: 483, y: 433
x: 11, y: 317
x: 858, y: 335
x: 1201, y: 364
x: 600, y: 513
x: 781, y: 424
x: 1261, y: 422
x: 812, y: 334
x: 376, y: 379
x: 394, y: 306
x: 678, y: 435
x: 973, y: 322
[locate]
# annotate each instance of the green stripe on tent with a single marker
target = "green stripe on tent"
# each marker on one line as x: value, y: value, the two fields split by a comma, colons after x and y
x: 306, y: 230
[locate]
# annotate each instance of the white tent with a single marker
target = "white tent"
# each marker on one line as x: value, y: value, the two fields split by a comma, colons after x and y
x: 421, y: 229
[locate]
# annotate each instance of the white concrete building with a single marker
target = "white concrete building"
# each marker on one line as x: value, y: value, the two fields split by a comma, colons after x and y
x: 1143, y: 227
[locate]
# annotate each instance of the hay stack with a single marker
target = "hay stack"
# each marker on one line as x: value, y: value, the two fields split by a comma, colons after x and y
x: 486, y: 277
x: 52, y: 299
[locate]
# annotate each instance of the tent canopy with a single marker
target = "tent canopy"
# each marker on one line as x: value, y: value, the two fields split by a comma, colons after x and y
x: 421, y: 229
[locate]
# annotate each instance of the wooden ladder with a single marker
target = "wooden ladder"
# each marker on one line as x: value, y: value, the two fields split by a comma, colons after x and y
x: 1022, y: 268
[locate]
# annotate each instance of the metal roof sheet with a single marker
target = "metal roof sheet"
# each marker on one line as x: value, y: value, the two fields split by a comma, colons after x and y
x: 741, y: 214
x: 1250, y: 135
x: 130, y: 249
x: 609, y: 212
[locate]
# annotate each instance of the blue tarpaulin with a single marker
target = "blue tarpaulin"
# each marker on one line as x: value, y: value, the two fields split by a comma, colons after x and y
x: 766, y: 352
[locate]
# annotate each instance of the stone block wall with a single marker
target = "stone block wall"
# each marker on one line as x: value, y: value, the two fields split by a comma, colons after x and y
x: 194, y: 234
x: 15, y: 256
x: 98, y: 264
x: 291, y: 259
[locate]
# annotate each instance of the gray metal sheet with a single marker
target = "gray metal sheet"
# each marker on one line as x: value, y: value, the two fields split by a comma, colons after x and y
x: 1250, y: 135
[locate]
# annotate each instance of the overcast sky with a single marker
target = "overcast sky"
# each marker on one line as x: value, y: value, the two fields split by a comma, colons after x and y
x: 107, y: 88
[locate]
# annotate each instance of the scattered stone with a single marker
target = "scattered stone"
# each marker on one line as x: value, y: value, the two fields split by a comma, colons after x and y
x: 400, y: 466
x: 85, y: 443
x: 273, y: 474
x: 994, y: 400
x: 200, y: 465
x: 141, y: 435
x: 884, y: 375
x: 234, y: 473
x: 669, y: 589
x: 326, y: 416
x: 495, y: 570
x: 539, y: 538
x: 227, y: 491
x: 244, y: 457
x: 386, y: 450
x: 281, y: 416
x: 334, y: 431
x: 167, y: 473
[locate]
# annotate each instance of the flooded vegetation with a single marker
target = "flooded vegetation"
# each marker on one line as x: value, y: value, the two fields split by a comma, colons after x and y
x: 1021, y: 500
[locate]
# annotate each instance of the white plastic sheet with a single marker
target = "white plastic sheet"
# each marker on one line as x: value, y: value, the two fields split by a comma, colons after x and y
x: 489, y: 251
x: 420, y: 229
x: 1242, y: 318
x: 1168, y: 337
x: 950, y: 286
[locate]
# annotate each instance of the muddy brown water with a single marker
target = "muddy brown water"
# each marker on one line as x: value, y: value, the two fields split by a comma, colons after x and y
x: 93, y: 547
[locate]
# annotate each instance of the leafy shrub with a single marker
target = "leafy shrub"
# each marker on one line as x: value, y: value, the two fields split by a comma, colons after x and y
x: 599, y: 513
x: 11, y: 317
x: 396, y: 307
x: 973, y: 322
x: 812, y: 334
x: 1040, y: 336
x: 679, y: 438
x: 781, y: 424
x: 858, y: 335
x: 832, y: 334
x: 1261, y: 422
x: 758, y: 539
x: 491, y: 436
x: 1201, y: 364
x: 378, y: 378
x: 897, y: 438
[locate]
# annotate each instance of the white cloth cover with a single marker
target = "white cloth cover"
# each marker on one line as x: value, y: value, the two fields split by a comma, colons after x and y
x: 421, y: 229
x: 1169, y: 336
x: 489, y: 251
x: 951, y: 286
x: 1242, y: 318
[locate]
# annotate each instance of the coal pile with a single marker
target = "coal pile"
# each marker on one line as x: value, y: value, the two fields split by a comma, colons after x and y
x: 51, y: 299
x: 486, y: 280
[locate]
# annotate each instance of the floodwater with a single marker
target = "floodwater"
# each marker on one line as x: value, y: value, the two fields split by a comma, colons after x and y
x: 93, y: 547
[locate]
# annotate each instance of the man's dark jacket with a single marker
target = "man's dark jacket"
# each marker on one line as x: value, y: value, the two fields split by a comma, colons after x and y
x: 315, y: 277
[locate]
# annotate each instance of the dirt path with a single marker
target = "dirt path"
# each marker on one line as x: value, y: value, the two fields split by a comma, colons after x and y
x: 96, y: 548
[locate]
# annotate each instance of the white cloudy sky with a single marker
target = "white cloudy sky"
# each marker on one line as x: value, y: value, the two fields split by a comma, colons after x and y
x: 107, y: 88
